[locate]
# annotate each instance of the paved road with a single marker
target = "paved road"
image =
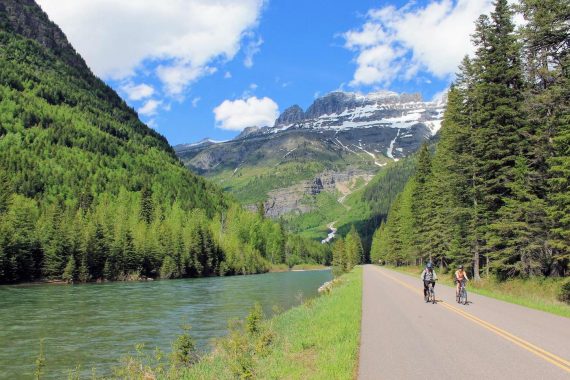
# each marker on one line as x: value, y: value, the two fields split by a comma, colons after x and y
x: 405, y: 338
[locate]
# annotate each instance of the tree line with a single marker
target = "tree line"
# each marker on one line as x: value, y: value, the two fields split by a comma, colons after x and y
x: 496, y: 192
x: 134, y: 235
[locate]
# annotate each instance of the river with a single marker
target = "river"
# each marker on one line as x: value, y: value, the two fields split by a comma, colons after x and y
x: 94, y: 325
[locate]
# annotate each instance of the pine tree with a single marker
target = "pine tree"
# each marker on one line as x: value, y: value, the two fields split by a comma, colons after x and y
x: 83, y: 273
x: 375, y: 249
x: 146, y: 205
x: 353, y: 249
x: 70, y: 271
x: 339, y: 257
x: 420, y: 208
x: 545, y: 47
x: 500, y: 135
x: 5, y: 191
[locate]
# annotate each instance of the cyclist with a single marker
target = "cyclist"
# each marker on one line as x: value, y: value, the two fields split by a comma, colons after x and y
x: 459, y: 278
x: 428, y: 276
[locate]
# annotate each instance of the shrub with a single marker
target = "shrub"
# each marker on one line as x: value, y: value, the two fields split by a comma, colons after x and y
x: 184, y: 349
x: 564, y: 292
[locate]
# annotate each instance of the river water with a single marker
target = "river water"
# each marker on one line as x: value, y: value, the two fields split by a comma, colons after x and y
x: 94, y: 325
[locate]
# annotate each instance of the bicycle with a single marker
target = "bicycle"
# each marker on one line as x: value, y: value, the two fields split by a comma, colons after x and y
x: 430, y: 295
x: 462, y: 295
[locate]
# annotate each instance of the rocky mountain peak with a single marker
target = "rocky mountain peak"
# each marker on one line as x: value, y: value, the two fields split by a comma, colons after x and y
x: 334, y: 102
x: 247, y: 131
x: 291, y: 115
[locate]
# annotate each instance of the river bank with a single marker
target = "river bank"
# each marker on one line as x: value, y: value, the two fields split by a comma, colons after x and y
x: 94, y: 325
x: 317, y: 340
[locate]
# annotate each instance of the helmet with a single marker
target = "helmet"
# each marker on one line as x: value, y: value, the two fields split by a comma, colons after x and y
x: 429, y: 265
x: 461, y: 267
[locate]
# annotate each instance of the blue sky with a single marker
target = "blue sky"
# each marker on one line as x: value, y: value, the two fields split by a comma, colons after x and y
x: 194, y: 70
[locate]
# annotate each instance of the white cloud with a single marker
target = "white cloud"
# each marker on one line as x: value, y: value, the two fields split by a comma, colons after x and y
x: 238, y: 114
x: 150, y: 108
x: 177, y: 76
x: 251, y: 49
x: 400, y: 42
x: 137, y: 92
x: 195, y: 101
x: 227, y: 75
x: 119, y: 38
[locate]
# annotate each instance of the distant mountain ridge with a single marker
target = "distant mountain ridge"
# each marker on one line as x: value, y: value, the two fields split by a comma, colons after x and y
x: 380, y: 123
x: 341, y: 135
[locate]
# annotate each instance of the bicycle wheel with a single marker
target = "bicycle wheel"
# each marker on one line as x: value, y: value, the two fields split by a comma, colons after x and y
x: 432, y: 295
x: 464, y: 296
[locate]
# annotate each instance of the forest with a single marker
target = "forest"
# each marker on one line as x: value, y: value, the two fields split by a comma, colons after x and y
x: 88, y: 192
x: 495, y: 195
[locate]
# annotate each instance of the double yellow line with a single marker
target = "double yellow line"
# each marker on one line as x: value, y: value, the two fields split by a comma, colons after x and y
x: 548, y: 356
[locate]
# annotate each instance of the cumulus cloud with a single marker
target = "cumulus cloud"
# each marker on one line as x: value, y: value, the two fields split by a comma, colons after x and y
x: 119, y: 38
x: 399, y: 42
x: 195, y: 101
x: 238, y: 114
x: 150, y: 108
x: 137, y: 91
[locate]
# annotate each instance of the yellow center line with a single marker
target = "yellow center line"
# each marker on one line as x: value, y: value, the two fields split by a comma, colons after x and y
x: 548, y: 356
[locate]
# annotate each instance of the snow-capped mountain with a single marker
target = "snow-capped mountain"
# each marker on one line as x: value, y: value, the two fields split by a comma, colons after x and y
x: 377, y: 125
x: 342, y: 110
x: 342, y: 136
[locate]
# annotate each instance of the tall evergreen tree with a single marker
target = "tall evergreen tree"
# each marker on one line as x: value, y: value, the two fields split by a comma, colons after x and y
x: 146, y: 205
x: 545, y: 46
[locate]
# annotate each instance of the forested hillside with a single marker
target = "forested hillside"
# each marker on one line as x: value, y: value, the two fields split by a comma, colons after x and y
x: 495, y: 195
x: 89, y: 192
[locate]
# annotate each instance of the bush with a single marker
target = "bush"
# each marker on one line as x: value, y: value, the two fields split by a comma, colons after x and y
x: 564, y: 292
x: 184, y: 351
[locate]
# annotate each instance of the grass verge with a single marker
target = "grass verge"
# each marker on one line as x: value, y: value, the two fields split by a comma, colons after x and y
x: 317, y: 340
x: 535, y: 293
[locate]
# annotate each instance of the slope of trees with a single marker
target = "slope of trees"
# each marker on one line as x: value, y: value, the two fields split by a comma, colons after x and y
x: 496, y: 192
x: 89, y: 192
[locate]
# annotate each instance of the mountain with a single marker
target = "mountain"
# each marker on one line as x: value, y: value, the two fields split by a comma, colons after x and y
x: 87, y: 191
x: 340, y: 141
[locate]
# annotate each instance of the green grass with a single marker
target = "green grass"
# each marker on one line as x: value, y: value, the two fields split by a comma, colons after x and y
x: 534, y: 293
x: 317, y: 340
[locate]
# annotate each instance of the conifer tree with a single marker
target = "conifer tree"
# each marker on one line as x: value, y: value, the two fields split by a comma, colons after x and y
x: 146, y: 205
x: 547, y: 63
x: 70, y: 271
x: 339, y: 257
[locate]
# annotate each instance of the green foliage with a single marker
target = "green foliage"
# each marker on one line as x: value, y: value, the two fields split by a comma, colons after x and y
x: 495, y: 193
x: 40, y: 362
x: 70, y: 272
x: 347, y: 253
x: 564, y: 292
x: 254, y: 319
x: 184, y: 352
